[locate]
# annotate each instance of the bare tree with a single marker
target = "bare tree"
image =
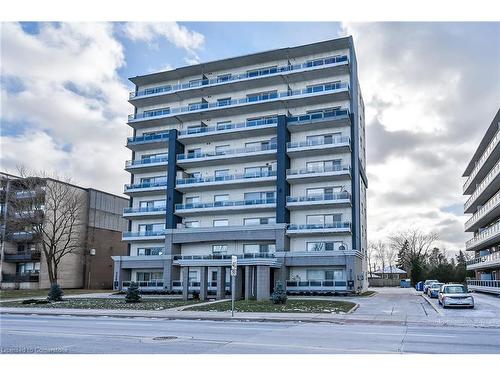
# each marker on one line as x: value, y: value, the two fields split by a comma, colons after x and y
x: 53, y: 212
x: 416, y: 245
x: 380, y: 250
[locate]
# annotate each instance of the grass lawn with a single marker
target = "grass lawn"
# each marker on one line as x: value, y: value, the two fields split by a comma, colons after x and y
x: 291, y: 306
x: 30, y: 293
x: 105, y: 304
x: 368, y: 293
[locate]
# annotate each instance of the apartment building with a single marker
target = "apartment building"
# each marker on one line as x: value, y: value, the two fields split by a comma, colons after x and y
x: 260, y: 156
x: 482, y: 185
x: 23, y: 264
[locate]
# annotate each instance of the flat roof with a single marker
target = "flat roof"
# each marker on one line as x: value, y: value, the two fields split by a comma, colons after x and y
x: 490, y: 133
x: 254, y: 58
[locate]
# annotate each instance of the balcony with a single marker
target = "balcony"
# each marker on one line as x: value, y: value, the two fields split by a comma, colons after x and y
x: 145, y: 285
x: 320, y: 68
x: 257, y: 153
x: 143, y: 188
x: 153, y: 164
x: 22, y: 236
x: 488, y: 286
x: 482, y: 165
x: 342, y: 199
x: 23, y: 256
x: 233, y: 181
x: 484, y: 215
x: 263, y: 232
x: 27, y: 277
x: 484, y: 262
x: 267, y: 102
x: 144, y: 236
x: 229, y: 131
x: 318, y: 147
x: 487, y: 237
x: 226, y: 206
x: 195, y: 285
x: 313, y: 229
x: 328, y: 173
x: 316, y: 286
x: 147, y: 141
x: 314, y: 121
x: 144, y: 212
x: 489, y: 186
x: 29, y: 194
x: 225, y: 259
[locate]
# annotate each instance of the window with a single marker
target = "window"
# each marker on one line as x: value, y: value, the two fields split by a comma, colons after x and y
x: 221, y: 198
x: 144, y: 228
x: 224, y: 125
x: 157, y: 112
x: 152, y: 204
x: 196, y: 175
x: 195, y: 82
x: 322, y: 192
x: 262, y: 71
x: 251, y: 248
x: 219, y: 249
x: 257, y: 171
x: 153, y: 179
x: 193, y: 276
x: 259, y: 221
x: 223, y: 77
x: 224, y: 101
x: 325, y: 274
x: 221, y: 223
x: 149, y: 276
x: 322, y: 87
x: 323, y: 219
x: 221, y: 174
x: 260, y: 145
x: 150, y: 251
x: 193, y: 152
x: 262, y: 96
x: 260, y: 196
x: 323, y: 110
x: 191, y: 200
x: 262, y: 120
x: 222, y: 149
x: 192, y: 224
x: 325, y: 246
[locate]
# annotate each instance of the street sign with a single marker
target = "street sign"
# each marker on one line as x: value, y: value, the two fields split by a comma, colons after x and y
x: 234, y: 268
x: 234, y: 265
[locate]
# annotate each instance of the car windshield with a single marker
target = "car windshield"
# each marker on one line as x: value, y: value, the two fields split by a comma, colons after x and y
x: 428, y: 282
x: 455, y: 289
x: 436, y: 285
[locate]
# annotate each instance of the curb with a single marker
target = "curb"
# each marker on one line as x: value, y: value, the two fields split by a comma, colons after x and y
x: 431, y: 304
x: 354, y: 308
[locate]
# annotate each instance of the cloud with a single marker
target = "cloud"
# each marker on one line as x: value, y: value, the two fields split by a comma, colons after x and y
x: 430, y: 90
x: 176, y: 34
x: 71, y: 98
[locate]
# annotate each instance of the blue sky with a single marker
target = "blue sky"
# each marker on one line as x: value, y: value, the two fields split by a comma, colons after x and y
x: 430, y: 91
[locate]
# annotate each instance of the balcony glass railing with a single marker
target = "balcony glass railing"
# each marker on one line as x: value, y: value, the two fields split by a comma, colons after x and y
x: 133, y: 210
x: 248, y: 202
x: 144, y: 284
x: 337, y: 225
x: 320, y: 142
x: 239, y: 76
x: 224, y: 256
x: 233, y: 177
x: 482, y: 186
x: 225, y: 127
x: 145, y: 185
x: 488, y: 206
x: 484, y: 283
x: 147, y: 139
x: 486, y: 154
x: 484, y: 235
x: 316, y: 284
x: 325, y: 169
x: 317, y: 198
x: 315, y: 117
x: 486, y: 258
x: 149, y: 233
x: 250, y: 99
x: 146, y: 161
x: 233, y: 151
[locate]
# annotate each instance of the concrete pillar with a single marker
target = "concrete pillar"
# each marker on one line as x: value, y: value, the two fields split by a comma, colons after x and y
x: 263, y: 279
x: 221, y: 282
x: 185, y: 283
x: 238, y: 284
x: 203, y: 283
x: 248, y: 282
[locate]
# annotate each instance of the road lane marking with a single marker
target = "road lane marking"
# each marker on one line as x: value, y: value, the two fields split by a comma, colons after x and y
x: 401, y: 334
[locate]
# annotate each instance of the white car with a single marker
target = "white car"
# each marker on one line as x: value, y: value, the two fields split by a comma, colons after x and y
x: 428, y: 283
x: 433, y: 289
x: 455, y: 295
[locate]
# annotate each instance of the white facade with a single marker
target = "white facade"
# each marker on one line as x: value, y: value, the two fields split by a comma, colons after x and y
x: 268, y: 154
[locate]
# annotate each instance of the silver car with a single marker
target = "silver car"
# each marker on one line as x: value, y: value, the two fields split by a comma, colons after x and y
x: 433, y: 289
x: 455, y: 295
x: 428, y: 283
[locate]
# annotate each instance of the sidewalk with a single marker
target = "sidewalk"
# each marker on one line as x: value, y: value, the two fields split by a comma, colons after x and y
x: 261, y: 317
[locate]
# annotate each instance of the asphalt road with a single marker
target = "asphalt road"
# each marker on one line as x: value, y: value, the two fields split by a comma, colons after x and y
x: 485, y: 306
x: 65, y: 334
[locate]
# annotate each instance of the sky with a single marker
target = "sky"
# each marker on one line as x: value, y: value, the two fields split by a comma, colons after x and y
x: 430, y: 91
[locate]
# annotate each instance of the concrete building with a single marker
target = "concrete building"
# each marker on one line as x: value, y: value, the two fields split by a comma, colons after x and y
x: 23, y: 263
x: 260, y: 156
x: 483, y: 187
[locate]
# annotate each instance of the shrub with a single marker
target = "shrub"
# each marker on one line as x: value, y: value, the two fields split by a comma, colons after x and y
x: 196, y: 295
x: 279, y: 294
x: 133, y: 295
x: 55, y: 293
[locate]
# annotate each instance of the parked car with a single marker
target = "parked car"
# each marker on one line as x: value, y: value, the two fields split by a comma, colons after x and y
x: 455, y: 295
x: 428, y: 283
x: 433, y: 289
x: 420, y: 286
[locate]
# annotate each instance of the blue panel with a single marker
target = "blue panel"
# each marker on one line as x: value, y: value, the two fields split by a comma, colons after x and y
x: 282, y: 164
x: 173, y: 196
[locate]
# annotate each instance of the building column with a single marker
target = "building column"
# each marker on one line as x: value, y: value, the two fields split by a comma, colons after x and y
x: 263, y: 279
x: 221, y: 282
x: 248, y: 282
x: 185, y: 283
x: 238, y: 281
x: 203, y: 283
x: 282, y: 164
